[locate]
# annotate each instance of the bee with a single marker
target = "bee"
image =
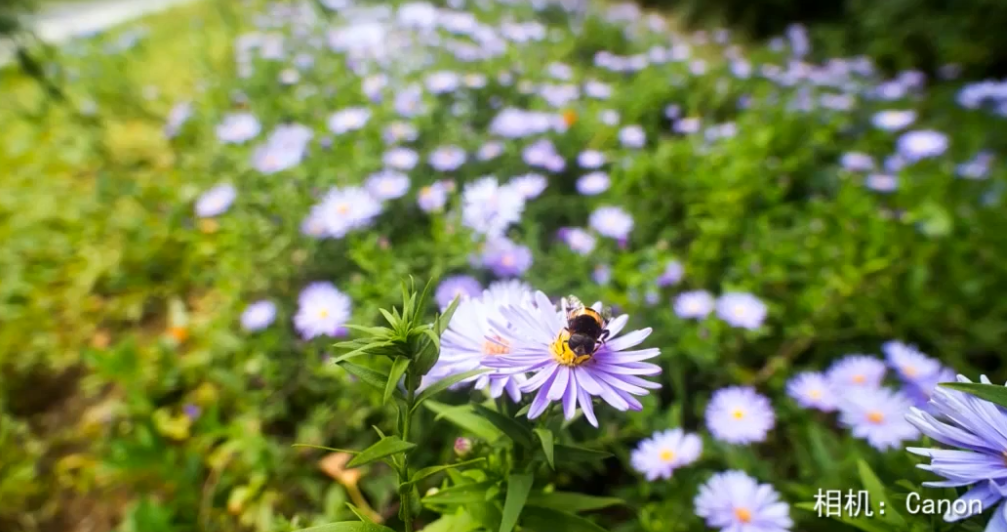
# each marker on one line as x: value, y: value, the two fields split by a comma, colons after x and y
x: 586, y: 329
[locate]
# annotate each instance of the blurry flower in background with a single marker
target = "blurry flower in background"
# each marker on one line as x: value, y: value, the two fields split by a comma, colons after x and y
x: 505, y: 258
x: 739, y: 415
x: 530, y: 186
x: 877, y: 415
x: 672, y: 274
x: 387, y: 184
x: 893, y: 120
x: 732, y: 501
x: 632, y: 137
x: 350, y: 119
x: 216, y: 201
x: 322, y: 311
x: 536, y: 346
x: 579, y: 240
x: 488, y: 208
x: 696, y: 304
x: 177, y: 118
x: 977, y: 168
x: 346, y: 209
x: 741, y: 310
x: 923, y: 144
x: 812, y: 390
x: 404, y: 159
x: 432, y: 198
x: 602, y: 274
x: 591, y: 159
x: 238, y: 128
x: 611, y: 222
x: 857, y: 162
x: 881, y: 182
x: 460, y: 286
x: 490, y: 150
x: 664, y: 452
x: 855, y: 372
x: 593, y: 183
x: 447, y: 158
x: 258, y: 316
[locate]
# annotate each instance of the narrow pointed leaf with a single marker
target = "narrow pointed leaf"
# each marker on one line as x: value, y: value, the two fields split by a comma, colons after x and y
x: 460, y: 522
x: 433, y: 470
x: 421, y: 304
x: 322, y: 447
x: 878, y: 498
x: 360, y: 514
x: 545, y: 437
x: 391, y: 319
x: 347, y: 526
x: 445, y: 383
x: 569, y: 454
x: 518, y: 488
x: 360, y: 351
x: 445, y: 317
x: 989, y: 392
x: 369, y: 376
x: 399, y: 367
x: 536, y: 519
x: 572, y: 502
x: 385, y: 447
x: 464, y: 494
x: 464, y: 416
x: 511, y: 427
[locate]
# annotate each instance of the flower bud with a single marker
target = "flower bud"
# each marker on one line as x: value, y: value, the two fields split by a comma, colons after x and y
x: 463, y: 446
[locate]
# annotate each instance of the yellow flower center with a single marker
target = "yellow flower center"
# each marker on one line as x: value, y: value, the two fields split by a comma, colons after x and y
x: 496, y: 346
x: 324, y: 313
x: 909, y: 371
x: 738, y: 414
x: 743, y: 515
x: 859, y: 379
x: 507, y: 260
x: 815, y: 394
x: 740, y: 310
x: 343, y: 208
x: 562, y: 353
x: 667, y: 455
x: 875, y: 417
x: 425, y: 191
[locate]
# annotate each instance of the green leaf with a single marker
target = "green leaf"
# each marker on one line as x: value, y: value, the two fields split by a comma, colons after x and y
x: 369, y: 376
x: 429, y: 353
x: 878, y: 497
x: 460, y: 522
x: 399, y: 367
x: 518, y: 488
x: 464, y: 494
x: 421, y: 303
x: 523, y: 411
x: 572, y: 502
x: 537, y: 519
x: 511, y: 427
x: 360, y: 515
x: 569, y: 454
x: 392, y: 319
x: 361, y: 351
x: 464, y: 416
x: 347, y: 526
x: 433, y: 470
x: 385, y: 447
x: 444, y: 384
x: 546, y: 439
x: 989, y: 392
x: 333, y: 449
x: 444, y: 318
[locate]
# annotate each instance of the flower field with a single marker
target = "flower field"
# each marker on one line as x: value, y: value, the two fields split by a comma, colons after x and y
x: 495, y: 265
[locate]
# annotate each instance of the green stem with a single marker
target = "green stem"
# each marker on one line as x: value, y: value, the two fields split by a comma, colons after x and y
x: 405, y: 499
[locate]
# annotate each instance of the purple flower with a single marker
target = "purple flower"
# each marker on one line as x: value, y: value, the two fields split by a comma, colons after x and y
x: 696, y: 304
x: 741, y: 310
x: 855, y: 161
x: 602, y: 274
x: 399, y: 132
x: 489, y: 151
x: 686, y: 126
x: 855, y: 373
x: 177, y: 118
x: 909, y: 362
x: 460, y: 286
x: 505, y: 258
x: 489, y: 209
x: 470, y: 340
x: 442, y: 82
x: 579, y: 240
x: 922, y: 144
x: 387, y: 184
x: 344, y: 210
x: 591, y: 159
x: 664, y: 452
x: 322, y: 311
x: 977, y: 168
x: 976, y: 428
x: 593, y: 183
x: 739, y: 415
x: 432, y: 198
x: 530, y: 186
x: 403, y: 159
x: 877, y: 415
x: 812, y: 390
x: 285, y: 148
x: 882, y: 182
x: 893, y: 120
x: 216, y: 201
x: 611, y: 222
x: 672, y: 274
x: 538, y: 343
x: 238, y: 128
x: 350, y: 119
x: 609, y: 117
x: 732, y: 501
x: 632, y: 137
x: 192, y: 411
x: 258, y: 316
x: 447, y: 158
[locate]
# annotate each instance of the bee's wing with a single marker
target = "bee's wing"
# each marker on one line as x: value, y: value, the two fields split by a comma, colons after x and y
x: 572, y: 303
